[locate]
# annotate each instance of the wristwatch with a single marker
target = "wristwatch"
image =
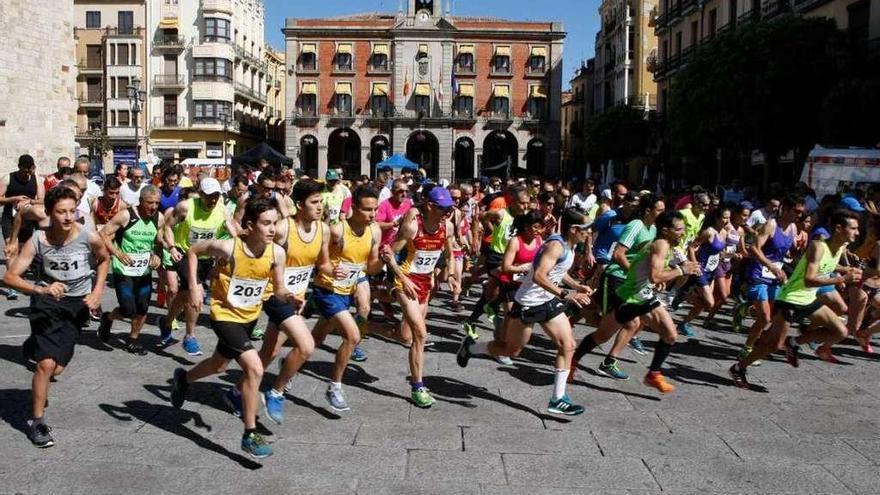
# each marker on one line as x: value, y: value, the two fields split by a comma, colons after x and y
x: 564, y: 294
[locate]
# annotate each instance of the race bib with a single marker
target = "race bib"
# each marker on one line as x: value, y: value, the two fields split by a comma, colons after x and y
x: 730, y: 249
x: 297, y: 278
x: 333, y: 215
x: 66, y: 266
x: 140, y: 265
x: 197, y: 235
x: 767, y: 273
x: 245, y: 293
x: 712, y: 262
x: 424, y: 262
x: 517, y: 277
x: 352, y: 273
x: 646, y: 293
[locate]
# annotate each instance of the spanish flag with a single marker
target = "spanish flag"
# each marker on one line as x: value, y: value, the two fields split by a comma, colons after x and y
x: 406, y: 84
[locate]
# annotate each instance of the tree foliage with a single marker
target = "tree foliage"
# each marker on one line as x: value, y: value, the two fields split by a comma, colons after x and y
x: 619, y: 133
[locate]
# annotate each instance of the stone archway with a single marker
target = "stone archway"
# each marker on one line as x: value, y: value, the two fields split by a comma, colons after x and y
x: 500, y: 154
x: 464, y: 159
x: 344, y: 151
x: 423, y: 148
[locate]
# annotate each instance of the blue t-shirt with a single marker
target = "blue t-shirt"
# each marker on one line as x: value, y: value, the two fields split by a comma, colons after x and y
x: 608, y: 230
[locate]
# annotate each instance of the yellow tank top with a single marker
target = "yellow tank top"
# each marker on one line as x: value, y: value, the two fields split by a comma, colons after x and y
x: 351, y: 255
x: 239, y: 289
x: 301, y: 258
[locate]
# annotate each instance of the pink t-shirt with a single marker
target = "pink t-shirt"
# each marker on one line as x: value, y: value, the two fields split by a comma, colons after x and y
x: 388, y: 213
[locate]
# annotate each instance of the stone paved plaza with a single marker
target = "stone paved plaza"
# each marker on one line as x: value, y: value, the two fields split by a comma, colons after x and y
x: 817, y: 431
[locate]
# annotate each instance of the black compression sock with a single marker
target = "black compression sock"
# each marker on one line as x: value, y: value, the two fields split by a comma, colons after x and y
x: 584, y: 348
x: 661, y: 352
x: 478, y: 310
x: 609, y: 360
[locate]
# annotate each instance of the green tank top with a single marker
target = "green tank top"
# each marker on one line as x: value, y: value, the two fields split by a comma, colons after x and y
x: 637, y: 287
x: 231, y: 206
x: 333, y: 205
x: 199, y: 225
x: 502, y: 233
x: 795, y: 290
x: 137, y: 240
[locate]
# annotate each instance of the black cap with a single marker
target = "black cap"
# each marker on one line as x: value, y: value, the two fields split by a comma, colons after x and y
x: 26, y: 161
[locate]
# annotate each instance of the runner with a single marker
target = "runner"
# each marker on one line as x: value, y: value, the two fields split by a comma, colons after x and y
x: 106, y: 207
x: 334, y: 195
x: 170, y: 194
x: 66, y: 253
x: 707, y: 251
x: 797, y: 299
x: 131, y: 189
x: 425, y: 236
x: 305, y: 239
x: 194, y: 220
x: 731, y: 259
x: 354, y: 247
x: 765, y: 274
x: 248, y: 264
x: 541, y: 299
x: 461, y: 247
x: 640, y: 304
x: 131, y: 236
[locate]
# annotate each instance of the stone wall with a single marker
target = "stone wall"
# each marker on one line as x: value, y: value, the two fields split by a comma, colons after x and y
x: 37, y: 81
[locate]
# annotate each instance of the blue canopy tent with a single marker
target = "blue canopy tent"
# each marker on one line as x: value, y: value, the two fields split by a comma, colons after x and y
x: 398, y: 162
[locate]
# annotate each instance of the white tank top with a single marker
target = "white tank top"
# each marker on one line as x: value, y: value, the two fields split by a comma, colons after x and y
x: 531, y: 294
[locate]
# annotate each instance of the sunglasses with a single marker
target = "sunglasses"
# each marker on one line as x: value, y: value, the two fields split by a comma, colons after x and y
x: 400, y: 191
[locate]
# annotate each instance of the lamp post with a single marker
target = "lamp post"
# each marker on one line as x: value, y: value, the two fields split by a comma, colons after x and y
x: 226, y: 118
x: 135, y: 98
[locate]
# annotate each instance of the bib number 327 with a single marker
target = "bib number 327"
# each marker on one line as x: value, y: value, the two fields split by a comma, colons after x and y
x: 244, y: 293
x: 425, y: 261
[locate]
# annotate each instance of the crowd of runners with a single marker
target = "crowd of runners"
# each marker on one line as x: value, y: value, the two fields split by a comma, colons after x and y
x: 367, y: 255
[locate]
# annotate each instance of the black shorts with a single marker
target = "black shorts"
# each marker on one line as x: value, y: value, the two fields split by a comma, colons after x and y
x: 628, y: 312
x: 233, y: 339
x: 133, y: 294
x: 794, y: 313
x: 538, y: 314
x: 278, y: 310
x: 606, y: 293
x: 508, y: 291
x: 55, y: 326
x: 493, y: 260
x: 203, y: 271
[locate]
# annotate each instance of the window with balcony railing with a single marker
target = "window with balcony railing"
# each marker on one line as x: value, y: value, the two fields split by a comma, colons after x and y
x: 308, y: 105
x: 342, y: 105
x: 537, y: 107
x: 422, y: 104
x: 379, y: 105
x: 343, y: 62
x: 308, y: 61
x: 500, y: 106
x: 212, y: 69
x: 379, y: 62
x: 465, y: 62
x: 501, y: 64
x: 216, y: 30
x: 537, y: 64
x: 464, y: 106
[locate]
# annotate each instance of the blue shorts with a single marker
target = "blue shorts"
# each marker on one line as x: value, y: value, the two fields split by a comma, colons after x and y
x: 329, y: 303
x: 705, y: 279
x: 763, y: 292
x: 825, y: 289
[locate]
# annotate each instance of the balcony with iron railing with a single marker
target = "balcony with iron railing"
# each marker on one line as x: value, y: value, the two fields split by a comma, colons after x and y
x: 169, y: 42
x: 90, y: 66
x: 306, y: 117
x: 250, y: 93
x: 125, y: 32
x: 773, y: 8
x: 91, y: 100
x: 748, y: 16
x: 169, y: 81
x: 91, y: 129
x: 499, y: 116
x: 169, y: 122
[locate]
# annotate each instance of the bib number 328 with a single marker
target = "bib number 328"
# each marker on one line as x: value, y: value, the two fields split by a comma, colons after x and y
x: 244, y: 293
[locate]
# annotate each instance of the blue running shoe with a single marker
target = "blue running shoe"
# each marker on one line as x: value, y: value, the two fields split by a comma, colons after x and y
x: 612, y: 371
x: 274, y: 406
x: 233, y: 401
x: 685, y: 329
x: 563, y: 405
x: 255, y: 445
x: 358, y: 355
x: 164, y: 332
x: 637, y: 346
x: 191, y: 346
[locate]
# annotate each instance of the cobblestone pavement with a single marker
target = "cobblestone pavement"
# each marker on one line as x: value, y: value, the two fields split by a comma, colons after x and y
x: 817, y: 431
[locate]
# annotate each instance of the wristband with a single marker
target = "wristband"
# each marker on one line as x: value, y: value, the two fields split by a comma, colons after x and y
x: 680, y: 270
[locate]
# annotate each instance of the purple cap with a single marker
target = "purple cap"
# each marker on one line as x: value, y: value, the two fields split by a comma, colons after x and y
x: 440, y: 197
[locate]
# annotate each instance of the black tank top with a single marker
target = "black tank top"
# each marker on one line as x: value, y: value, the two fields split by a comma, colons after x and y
x: 18, y: 188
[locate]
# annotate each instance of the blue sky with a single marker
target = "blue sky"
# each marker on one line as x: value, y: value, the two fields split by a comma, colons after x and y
x: 580, y: 17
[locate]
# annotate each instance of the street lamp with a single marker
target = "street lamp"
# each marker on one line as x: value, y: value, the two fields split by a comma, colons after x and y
x: 135, y: 98
x: 226, y: 118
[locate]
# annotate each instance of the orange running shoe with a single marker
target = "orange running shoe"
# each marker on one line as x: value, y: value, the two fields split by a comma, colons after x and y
x: 824, y: 353
x: 864, y: 341
x: 657, y: 380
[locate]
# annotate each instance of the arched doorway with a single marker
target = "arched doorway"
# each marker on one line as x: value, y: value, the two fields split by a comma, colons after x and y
x: 536, y: 157
x: 380, y: 149
x: 308, y: 155
x: 423, y: 148
x: 464, y: 158
x: 499, y: 154
x: 344, y: 151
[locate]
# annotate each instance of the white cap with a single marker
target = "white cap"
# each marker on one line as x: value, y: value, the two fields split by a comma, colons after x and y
x: 209, y: 185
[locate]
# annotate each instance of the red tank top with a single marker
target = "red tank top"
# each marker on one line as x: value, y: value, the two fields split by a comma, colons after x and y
x: 102, y: 214
x: 524, y: 254
x: 424, y: 250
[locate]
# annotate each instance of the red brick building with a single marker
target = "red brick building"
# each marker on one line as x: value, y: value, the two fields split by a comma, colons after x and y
x: 459, y: 95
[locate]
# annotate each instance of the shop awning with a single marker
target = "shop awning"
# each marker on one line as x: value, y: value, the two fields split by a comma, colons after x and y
x: 309, y: 88
x: 501, y: 92
x: 380, y: 89
x: 423, y: 89
x: 343, y: 88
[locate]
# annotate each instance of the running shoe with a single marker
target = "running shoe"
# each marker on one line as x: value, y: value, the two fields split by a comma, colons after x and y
x: 288, y: 387
x: 864, y: 341
x: 685, y: 329
x: 12, y: 295
x: 489, y: 311
x: 258, y: 332
x: 95, y: 314
x: 825, y: 354
x: 504, y: 360
x: 792, y: 352
x: 464, y: 351
x: 658, y: 381
x: 135, y: 347
x: 191, y: 346
x: 739, y: 377
x: 563, y: 405
x: 233, y: 402
x: 455, y: 306
x: 471, y: 331
x: 358, y: 355
x: 255, y: 445
x: 745, y: 351
x: 637, y: 346
x: 739, y: 314
x: 421, y: 398
x: 274, y: 406
x: 611, y: 370
x: 39, y: 433
x: 104, y: 327
x: 166, y: 339
x: 178, y: 388
x: 336, y: 399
